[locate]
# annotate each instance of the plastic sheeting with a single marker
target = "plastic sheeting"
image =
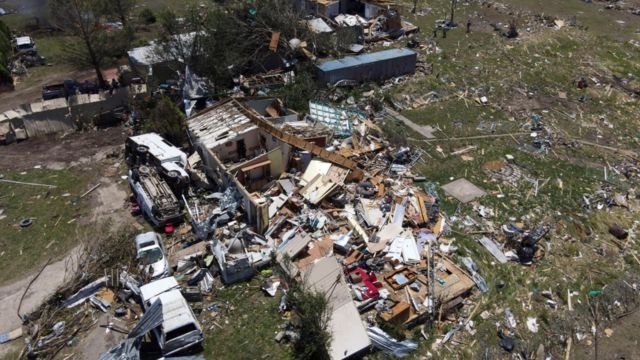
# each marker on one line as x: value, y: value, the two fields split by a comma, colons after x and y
x: 194, y: 88
x: 389, y: 345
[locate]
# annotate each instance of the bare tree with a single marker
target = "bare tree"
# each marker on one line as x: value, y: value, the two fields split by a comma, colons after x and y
x: 119, y: 8
x: 181, y: 41
x: 82, y: 19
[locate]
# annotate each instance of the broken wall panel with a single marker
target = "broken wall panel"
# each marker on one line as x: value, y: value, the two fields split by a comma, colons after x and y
x: 340, y: 120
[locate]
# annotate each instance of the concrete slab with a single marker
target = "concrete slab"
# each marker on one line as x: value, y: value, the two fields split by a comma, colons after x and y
x: 463, y: 190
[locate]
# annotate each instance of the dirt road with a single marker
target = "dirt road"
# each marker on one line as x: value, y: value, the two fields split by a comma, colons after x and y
x: 46, y: 284
x: 108, y: 201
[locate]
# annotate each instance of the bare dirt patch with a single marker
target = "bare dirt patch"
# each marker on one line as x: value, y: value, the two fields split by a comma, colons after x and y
x: 58, y: 151
x: 623, y: 342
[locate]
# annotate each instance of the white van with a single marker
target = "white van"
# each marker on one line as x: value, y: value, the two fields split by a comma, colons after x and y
x: 180, y: 330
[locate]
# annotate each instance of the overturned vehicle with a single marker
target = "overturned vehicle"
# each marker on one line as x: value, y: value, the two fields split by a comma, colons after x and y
x: 157, y: 176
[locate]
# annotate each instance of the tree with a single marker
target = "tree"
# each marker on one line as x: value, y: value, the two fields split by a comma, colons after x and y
x: 236, y: 34
x: 182, y: 43
x: 296, y: 95
x: 82, y: 19
x: 167, y: 120
x: 5, y: 52
x: 147, y: 16
x: 312, y: 311
x: 121, y: 9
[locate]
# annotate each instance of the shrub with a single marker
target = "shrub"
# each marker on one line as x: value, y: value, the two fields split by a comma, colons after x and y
x: 147, y: 16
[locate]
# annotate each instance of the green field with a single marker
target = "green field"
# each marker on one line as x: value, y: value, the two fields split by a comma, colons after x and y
x: 55, y: 213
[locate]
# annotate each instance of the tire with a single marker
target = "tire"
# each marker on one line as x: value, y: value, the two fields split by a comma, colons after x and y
x: 174, y: 175
x: 142, y: 149
x: 26, y: 223
x: 144, y: 170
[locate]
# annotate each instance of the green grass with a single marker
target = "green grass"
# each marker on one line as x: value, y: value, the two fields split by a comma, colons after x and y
x: 542, y: 64
x: 249, y: 320
x: 52, y: 233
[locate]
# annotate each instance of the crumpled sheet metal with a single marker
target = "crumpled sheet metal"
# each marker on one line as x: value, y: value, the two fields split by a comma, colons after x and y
x: 129, y: 349
x: 389, y: 345
x: 86, y: 292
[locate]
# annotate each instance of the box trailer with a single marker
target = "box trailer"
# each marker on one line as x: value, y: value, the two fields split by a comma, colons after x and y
x: 375, y: 66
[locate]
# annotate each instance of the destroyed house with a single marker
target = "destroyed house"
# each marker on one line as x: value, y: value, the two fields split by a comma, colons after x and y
x: 246, y: 148
x: 375, y: 66
x: 327, y: 8
x: 157, y: 63
x: 332, y: 8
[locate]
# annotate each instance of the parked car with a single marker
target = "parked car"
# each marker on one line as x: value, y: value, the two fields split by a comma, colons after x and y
x: 65, y: 89
x: 151, y: 255
x: 88, y: 87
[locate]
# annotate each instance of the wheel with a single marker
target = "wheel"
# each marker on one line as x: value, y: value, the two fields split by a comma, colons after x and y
x: 144, y: 170
x: 173, y: 174
x: 142, y: 149
x: 25, y: 222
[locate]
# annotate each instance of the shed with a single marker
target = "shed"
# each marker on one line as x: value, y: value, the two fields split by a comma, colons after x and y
x: 379, y: 65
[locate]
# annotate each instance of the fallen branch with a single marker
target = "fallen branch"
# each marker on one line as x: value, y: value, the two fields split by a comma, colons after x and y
x: 26, y: 183
x: 90, y: 190
x: 622, y: 151
x: 29, y: 286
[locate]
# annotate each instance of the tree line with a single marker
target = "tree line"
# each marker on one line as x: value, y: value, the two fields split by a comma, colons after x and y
x: 6, y: 81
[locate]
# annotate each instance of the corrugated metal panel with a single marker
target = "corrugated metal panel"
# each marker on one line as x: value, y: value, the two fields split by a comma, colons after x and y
x: 348, y: 335
x: 151, y: 319
x: 129, y: 349
x: 55, y: 124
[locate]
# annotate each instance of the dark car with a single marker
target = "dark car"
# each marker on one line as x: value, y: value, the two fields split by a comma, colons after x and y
x: 89, y: 87
x: 66, y: 89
